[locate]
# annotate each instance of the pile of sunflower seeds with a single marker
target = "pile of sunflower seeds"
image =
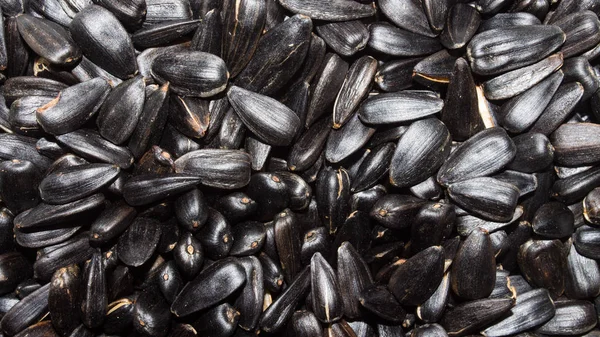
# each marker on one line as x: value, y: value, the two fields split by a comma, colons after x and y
x: 301, y: 168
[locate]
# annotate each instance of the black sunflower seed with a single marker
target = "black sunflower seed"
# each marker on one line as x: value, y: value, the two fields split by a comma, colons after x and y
x: 581, y: 30
x: 26, y: 312
x: 582, y: 279
x: 462, y: 23
x: 93, y: 299
x: 336, y: 10
x: 394, y: 41
x: 488, y: 198
x: 407, y: 15
x: 473, y: 273
x: 229, y: 169
x: 63, y: 299
x: 542, y: 263
x: 468, y: 317
x: 129, y: 249
x: 116, y: 54
x: 355, y: 87
x: 399, y: 107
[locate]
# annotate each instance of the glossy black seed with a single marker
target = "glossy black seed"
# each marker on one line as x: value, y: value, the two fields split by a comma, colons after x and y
x: 130, y: 251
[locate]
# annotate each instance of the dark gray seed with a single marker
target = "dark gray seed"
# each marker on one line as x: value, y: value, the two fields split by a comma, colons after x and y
x: 300, y: 193
x: 191, y: 210
x: 461, y: 112
x: 17, y: 52
x: 48, y: 39
x: 483, y: 154
x: 408, y: 15
x: 578, y: 69
x: 400, y: 106
x: 208, y: 36
x: 396, y: 75
x: 326, y: 299
x: 12, y: 7
x: 20, y: 86
x: 420, y: 152
x: 436, y: 12
x: 130, y: 249
x: 146, y: 189
x: 45, y: 214
x: 151, y: 316
x: 466, y: 224
x: 432, y: 225
x: 539, y: 8
x: 396, y: 211
x: 345, y: 141
x: 569, y: 6
x: 22, y: 148
x: 44, y: 238
x: 345, y: 38
x: 115, y: 54
x: 582, y: 279
x: 502, y: 20
x: 433, y: 309
x: 176, y: 143
x: 248, y: 238
x: 553, y: 220
x: 380, y: 301
x: 163, y: 33
x: 151, y: 122
x: 74, y: 250
x: 189, y: 115
x: 270, y: 194
x: 473, y: 273
x: 50, y: 149
x: 73, y: 107
x: 50, y: 9
x: 576, y: 144
x: 270, y: 120
x: 258, y: 151
x: 427, y: 189
x: 574, y: 188
x: 468, y: 317
x: 488, y: 198
x: 572, y: 317
x: 462, y: 23
x: 287, y: 237
x: 158, y: 11
x: 275, y: 317
x: 232, y: 131
x: 520, y: 80
x: 22, y: 115
x: 86, y: 70
x: 226, y: 169
x: 587, y: 241
x: 415, y: 280
x: 147, y: 57
x: 336, y: 10
x: 503, y: 288
x: 393, y: 41
x: 220, y: 321
x: 89, y: 144
x: 314, y: 58
x: 329, y: 81
x: 491, y: 6
x: 435, y: 69
x: 119, y: 114
x: 188, y: 255
x: 279, y: 54
x: 191, y: 73
x: 520, y: 112
x: 356, y: 86
x: 250, y: 301
x: 315, y: 240
x: 15, y: 268
x: 236, y: 206
x: 373, y: 168
x: 590, y: 207
x: 74, y: 183
x: 113, y: 221
x: 333, y: 193
x: 531, y: 309
x: 432, y: 330
x: 503, y: 49
x: 305, y: 324
x: 384, y: 330
x: 19, y: 180
x: 543, y: 264
x: 525, y: 183
x: 210, y: 287
x: 129, y: 12
x: 353, y: 276
x: 170, y: 281
x: 307, y: 149
x: 93, y: 299
x: 215, y: 236
x: 26, y: 312
x: 72, y: 7
x: 581, y: 30
x: 534, y: 153
x: 272, y: 273
x: 242, y: 28
x: 119, y: 315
